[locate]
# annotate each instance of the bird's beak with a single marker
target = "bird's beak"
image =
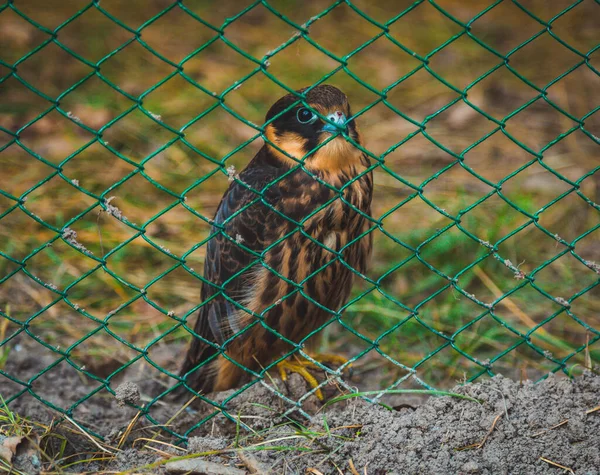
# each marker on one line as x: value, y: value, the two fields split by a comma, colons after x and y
x: 339, y: 119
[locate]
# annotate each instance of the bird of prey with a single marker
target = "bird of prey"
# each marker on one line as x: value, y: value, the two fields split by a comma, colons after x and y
x: 289, y: 235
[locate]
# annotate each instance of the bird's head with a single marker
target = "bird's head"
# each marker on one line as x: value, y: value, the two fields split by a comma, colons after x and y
x: 300, y: 130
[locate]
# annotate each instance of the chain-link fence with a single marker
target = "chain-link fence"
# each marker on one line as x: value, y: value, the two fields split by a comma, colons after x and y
x: 121, y: 124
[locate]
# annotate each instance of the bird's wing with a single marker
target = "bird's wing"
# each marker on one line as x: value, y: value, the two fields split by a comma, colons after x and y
x: 242, y: 219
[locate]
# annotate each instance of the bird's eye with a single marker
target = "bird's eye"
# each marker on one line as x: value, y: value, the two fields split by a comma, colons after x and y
x: 305, y: 116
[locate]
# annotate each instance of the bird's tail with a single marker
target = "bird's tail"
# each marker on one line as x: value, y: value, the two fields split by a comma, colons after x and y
x: 219, y: 374
x: 200, y: 379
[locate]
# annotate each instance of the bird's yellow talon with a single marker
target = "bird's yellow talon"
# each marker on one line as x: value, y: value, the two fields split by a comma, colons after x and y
x: 301, y: 367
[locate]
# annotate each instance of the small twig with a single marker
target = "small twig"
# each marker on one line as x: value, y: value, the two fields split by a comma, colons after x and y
x: 597, y: 408
x: 481, y: 444
x: 128, y: 429
x: 103, y: 449
x: 352, y: 467
x: 489, y: 432
x: 570, y: 470
x: 250, y: 462
x: 550, y: 428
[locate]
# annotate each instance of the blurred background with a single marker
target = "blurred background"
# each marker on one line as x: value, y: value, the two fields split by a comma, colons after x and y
x: 470, y: 185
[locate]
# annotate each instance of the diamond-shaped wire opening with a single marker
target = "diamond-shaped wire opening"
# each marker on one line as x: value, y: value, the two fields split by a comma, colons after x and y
x: 562, y: 93
x: 534, y: 188
x: 565, y: 277
x: 421, y: 95
x: 570, y: 217
x: 176, y: 34
x: 489, y: 280
x: 401, y: 344
x: 452, y: 251
x: 62, y: 326
x: 483, y: 340
x: 143, y: 69
x: 100, y: 34
x: 24, y: 297
x: 22, y: 104
x: 357, y: 30
x: 140, y: 261
x: 61, y: 69
x: 248, y: 97
x: 34, y: 234
x: 178, y: 102
x: 417, y: 220
x: 518, y: 313
x: 177, y: 291
x: 204, y: 198
x: 386, y: 256
x: 416, y: 271
x: 57, y: 201
x: 383, y: 129
x: 177, y: 240
x: 300, y: 64
x: 505, y: 27
x: 102, y: 353
x: 576, y: 26
x: 417, y: 159
x: 407, y: 29
x: 583, y: 309
x: 381, y: 63
x: 96, y: 169
x: 24, y: 169
x: 462, y: 117
x: 528, y: 249
x: 51, y: 13
x: 463, y: 61
x: 95, y: 103
x: 55, y: 137
x: 180, y: 167
x: 97, y: 233
x: 219, y: 133
x: 456, y: 190
x: 27, y: 358
x: 493, y: 219
x: 137, y: 136
x: 496, y: 157
x: 500, y: 93
x: 217, y: 67
x: 99, y: 293
x: 247, y: 32
x: 59, y: 265
x: 19, y: 37
x: 140, y: 324
x: 543, y: 60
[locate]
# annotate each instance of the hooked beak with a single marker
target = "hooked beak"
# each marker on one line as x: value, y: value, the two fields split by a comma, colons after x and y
x: 339, y: 119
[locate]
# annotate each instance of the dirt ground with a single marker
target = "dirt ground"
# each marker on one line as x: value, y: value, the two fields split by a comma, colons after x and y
x: 504, y: 427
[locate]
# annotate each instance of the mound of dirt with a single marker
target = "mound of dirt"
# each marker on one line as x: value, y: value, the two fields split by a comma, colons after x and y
x: 504, y: 427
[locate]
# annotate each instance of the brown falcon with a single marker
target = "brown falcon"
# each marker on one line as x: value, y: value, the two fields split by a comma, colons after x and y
x: 287, y: 233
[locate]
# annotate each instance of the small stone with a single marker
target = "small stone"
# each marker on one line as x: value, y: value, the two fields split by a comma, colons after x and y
x: 127, y: 393
x: 471, y: 467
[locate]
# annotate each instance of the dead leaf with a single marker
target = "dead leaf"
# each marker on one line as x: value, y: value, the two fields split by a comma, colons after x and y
x: 8, y: 447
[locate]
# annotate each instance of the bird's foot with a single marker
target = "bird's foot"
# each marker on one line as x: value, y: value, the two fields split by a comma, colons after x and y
x: 302, y: 366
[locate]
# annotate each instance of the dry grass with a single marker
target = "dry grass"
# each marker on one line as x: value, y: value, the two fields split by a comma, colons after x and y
x: 179, y: 169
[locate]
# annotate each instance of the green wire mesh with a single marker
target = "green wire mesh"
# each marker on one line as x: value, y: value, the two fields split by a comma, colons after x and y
x: 435, y: 305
